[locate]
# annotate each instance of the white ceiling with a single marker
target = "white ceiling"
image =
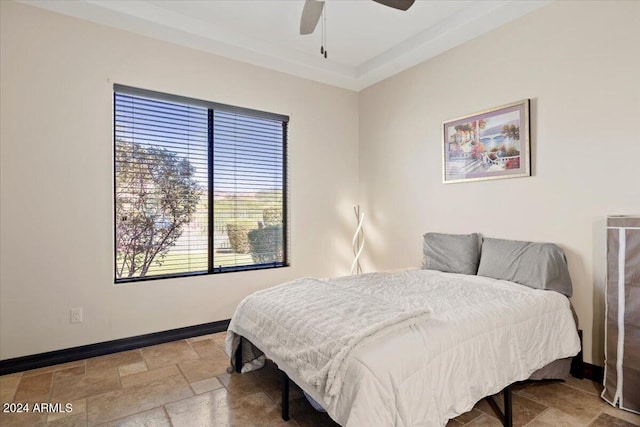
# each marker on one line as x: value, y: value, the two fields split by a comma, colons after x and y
x: 366, y: 42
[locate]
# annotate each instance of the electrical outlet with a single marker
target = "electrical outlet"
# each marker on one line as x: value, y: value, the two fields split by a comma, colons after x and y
x: 76, y: 315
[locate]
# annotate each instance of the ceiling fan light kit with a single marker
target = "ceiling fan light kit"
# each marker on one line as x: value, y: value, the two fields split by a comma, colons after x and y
x: 314, y: 9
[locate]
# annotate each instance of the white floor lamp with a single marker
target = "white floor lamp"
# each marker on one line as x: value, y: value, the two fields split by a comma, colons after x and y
x: 358, y: 241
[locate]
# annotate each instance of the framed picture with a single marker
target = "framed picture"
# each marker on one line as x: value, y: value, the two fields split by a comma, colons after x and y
x: 490, y: 144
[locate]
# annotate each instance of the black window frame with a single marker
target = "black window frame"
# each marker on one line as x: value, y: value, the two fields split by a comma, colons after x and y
x: 210, y: 106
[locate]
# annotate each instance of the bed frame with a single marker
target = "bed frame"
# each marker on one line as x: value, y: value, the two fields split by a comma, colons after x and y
x: 506, y: 417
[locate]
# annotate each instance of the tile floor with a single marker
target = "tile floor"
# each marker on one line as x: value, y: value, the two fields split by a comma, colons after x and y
x: 185, y: 383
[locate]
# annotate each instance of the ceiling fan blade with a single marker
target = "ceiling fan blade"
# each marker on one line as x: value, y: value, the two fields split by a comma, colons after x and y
x: 397, y: 4
x: 310, y: 16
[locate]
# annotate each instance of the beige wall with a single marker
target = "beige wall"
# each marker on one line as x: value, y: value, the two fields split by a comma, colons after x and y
x: 56, y: 174
x: 579, y: 64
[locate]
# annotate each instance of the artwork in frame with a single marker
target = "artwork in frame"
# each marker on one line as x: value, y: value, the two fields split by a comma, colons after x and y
x: 490, y: 144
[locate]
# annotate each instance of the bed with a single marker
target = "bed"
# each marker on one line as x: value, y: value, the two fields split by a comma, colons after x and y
x: 419, y: 347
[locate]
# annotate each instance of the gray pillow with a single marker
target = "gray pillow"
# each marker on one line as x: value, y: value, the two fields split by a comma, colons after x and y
x: 452, y: 253
x: 537, y: 265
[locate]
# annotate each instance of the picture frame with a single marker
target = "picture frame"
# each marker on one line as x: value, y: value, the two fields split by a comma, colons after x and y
x: 490, y: 144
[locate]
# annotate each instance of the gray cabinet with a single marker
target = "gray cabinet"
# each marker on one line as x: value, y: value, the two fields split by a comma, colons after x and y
x: 622, y: 335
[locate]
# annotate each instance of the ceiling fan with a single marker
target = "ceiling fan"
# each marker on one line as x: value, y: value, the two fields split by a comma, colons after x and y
x: 313, y: 10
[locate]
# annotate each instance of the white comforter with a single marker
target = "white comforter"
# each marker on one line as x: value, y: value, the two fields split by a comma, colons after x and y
x: 462, y: 338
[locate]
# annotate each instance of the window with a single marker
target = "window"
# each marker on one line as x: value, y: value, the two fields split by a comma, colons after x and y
x: 199, y: 187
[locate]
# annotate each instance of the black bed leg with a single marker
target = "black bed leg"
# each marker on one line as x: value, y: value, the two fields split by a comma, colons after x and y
x: 285, y: 395
x: 239, y: 357
x: 508, y: 414
x: 577, y: 364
